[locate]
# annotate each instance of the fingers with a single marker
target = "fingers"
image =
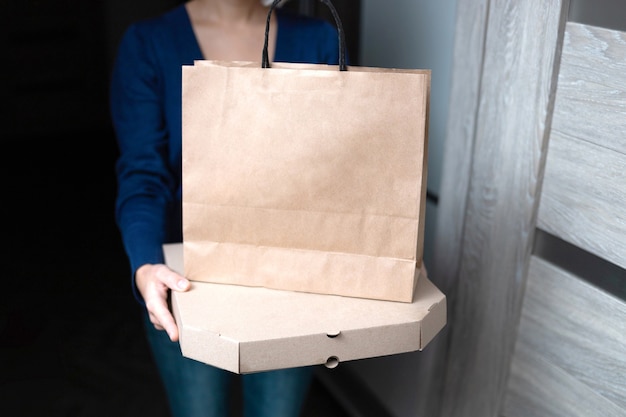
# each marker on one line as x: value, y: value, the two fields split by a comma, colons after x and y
x: 154, y: 282
x: 161, y: 317
x: 171, y: 279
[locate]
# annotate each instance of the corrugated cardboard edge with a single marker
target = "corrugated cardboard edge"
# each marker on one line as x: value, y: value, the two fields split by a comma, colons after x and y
x: 312, y: 349
x: 206, y: 347
x: 433, y: 322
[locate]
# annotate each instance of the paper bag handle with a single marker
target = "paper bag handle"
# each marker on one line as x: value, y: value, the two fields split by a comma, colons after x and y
x: 342, y: 42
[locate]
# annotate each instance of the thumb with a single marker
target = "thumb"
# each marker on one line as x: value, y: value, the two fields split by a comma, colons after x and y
x: 182, y: 284
x: 173, y: 280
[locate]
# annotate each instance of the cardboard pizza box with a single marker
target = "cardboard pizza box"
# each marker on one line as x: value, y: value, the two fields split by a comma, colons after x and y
x: 251, y: 329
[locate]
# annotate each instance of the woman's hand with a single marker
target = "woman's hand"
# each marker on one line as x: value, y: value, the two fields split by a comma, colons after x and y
x: 154, y: 283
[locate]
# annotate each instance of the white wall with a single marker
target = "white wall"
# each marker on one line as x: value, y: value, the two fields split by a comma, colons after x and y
x: 414, y: 34
x: 409, y: 34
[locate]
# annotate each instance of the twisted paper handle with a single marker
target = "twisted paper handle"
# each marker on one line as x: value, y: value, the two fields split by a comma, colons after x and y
x: 342, y: 42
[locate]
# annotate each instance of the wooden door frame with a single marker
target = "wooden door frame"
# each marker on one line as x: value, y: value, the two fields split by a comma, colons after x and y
x: 505, y: 68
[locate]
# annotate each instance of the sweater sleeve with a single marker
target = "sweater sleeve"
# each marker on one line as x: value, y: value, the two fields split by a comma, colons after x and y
x: 146, y: 185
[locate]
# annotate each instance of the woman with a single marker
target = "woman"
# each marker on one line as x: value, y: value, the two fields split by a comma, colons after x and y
x: 146, y: 112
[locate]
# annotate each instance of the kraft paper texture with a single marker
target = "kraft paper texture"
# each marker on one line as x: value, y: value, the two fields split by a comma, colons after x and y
x: 305, y: 178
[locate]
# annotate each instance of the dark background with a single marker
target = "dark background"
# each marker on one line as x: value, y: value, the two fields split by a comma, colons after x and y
x: 71, y: 342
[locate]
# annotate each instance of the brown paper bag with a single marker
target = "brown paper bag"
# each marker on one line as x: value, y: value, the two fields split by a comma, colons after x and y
x: 304, y: 177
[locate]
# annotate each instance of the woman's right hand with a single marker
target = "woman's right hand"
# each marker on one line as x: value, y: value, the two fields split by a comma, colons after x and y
x: 154, y: 282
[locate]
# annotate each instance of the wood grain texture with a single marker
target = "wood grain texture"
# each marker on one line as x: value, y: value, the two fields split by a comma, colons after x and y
x: 570, y: 358
x: 570, y: 354
x: 591, y: 94
x: 469, y: 46
x: 584, y: 197
x: 464, y: 95
x: 517, y: 86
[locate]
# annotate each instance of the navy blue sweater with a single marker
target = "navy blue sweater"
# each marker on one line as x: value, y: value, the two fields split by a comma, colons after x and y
x: 146, y: 102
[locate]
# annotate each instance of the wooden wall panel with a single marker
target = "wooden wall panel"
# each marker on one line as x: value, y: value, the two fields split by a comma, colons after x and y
x: 584, y: 197
x: 570, y: 356
x: 591, y: 95
x: 584, y: 186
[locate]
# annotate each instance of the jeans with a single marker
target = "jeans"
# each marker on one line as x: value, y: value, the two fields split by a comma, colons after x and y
x: 195, y: 389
